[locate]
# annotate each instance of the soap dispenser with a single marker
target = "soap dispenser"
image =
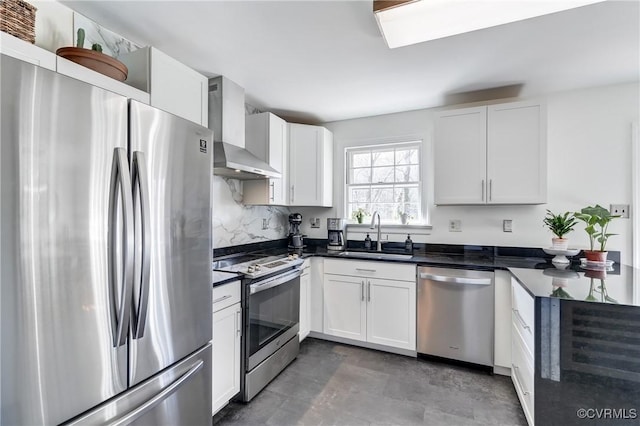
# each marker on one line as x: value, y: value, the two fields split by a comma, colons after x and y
x: 367, y: 243
x: 408, y: 244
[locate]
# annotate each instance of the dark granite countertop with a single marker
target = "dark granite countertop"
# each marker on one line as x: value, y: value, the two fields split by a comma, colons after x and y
x: 220, y: 277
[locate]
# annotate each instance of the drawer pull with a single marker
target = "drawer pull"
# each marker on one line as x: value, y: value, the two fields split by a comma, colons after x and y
x: 220, y: 299
x: 365, y: 270
x: 521, y: 320
x: 515, y: 371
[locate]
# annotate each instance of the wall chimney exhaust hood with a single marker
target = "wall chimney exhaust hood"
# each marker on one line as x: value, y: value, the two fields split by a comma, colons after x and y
x: 226, y: 119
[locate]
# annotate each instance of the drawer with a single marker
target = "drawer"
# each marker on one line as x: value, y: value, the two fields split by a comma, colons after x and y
x: 226, y: 295
x: 522, y: 374
x: 522, y: 313
x: 365, y: 268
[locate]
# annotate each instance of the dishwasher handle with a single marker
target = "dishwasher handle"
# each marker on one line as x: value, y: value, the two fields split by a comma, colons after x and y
x: 455, y: 280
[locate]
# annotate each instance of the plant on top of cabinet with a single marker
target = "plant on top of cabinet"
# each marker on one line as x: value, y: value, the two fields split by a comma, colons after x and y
x: 560, y: 224
x: 597, y: 219
x: 94, y: 59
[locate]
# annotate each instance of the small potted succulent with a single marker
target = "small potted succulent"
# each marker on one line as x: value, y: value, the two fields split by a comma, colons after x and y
x: 597, y: 219
x: 359, y: 214
x: 560, y: 224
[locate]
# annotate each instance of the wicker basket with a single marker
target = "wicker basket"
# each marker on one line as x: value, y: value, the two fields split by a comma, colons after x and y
x: 18, y: 18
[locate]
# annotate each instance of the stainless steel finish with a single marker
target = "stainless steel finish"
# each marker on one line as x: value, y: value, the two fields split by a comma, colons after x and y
x: 178, y: 162
x: 482, y: 189
x: 268, y: 265
x: 56, y: 154
x: 375, y: 255
x: 365, y: 270
x: 520, y: 319
x: 120, y: 276
x: 272, y: 348
x: 292, y: 197
x: 336, y: 229
x: 273, y: 191
x: 516, y: 371
x: 274, y: 282
x: 239, y: 323
x: 260, y: 376
x: 180, y: 395
x: 238, y: 163
x: 368, y: 291
x: 456, y: 279
x: 227, y: 120
x: 362, y: 290
x: 373, y: 226
x: 220, y: 299
x: 490, y: 189
x: 141, y: 188
x: 455, y: 314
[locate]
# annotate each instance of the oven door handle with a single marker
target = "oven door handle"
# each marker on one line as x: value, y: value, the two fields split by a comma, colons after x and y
x: 274, y: 282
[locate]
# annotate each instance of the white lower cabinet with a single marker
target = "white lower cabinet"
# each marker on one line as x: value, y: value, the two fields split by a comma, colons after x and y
x: 365, y: 307
x: 227, y: 334
x: 522, y: 349
x: 502, y: 323
x: 305, y: 301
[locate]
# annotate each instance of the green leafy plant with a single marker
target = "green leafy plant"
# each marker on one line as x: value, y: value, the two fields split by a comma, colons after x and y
x: 97, y: 47
x: 559, y: 224
x: 359, y: 214
x: 597, y: 219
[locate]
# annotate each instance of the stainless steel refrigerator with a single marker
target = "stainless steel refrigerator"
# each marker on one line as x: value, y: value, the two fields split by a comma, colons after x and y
x: 105, y: 255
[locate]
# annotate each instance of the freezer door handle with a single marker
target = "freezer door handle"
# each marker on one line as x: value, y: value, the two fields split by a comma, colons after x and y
x: 120, y: 306
x: 141, y: 201
x: 455, y: 280
x: 166, y: 393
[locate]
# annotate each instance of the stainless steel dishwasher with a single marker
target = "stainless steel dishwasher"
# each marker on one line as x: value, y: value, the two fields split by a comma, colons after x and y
x: 455, y: 314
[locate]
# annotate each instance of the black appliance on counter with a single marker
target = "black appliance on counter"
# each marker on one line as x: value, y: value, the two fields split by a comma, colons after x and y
x: 296, y: 240
x: 271, y: 315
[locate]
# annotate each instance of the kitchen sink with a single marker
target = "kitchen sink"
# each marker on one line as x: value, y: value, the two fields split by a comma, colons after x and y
x: 375, y: 255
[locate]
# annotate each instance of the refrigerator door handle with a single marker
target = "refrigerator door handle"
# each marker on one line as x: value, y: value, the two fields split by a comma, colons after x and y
x: 120, y: 181
x: 166, y: 393
x: 142, y: 268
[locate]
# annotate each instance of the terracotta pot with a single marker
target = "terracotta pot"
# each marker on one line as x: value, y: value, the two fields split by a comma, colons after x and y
x: 560, y: 243
x: 97, y: 61
x: 595, y: 274
x: 596, y: 256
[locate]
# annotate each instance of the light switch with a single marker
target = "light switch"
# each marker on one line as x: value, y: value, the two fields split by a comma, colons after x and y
x: 455, y: 225
x: 507, y: 225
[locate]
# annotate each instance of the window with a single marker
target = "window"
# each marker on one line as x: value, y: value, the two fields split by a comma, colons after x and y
x: 385, y: 178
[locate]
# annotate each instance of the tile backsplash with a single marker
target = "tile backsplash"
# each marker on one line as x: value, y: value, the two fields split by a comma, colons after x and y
x: 234, y: 223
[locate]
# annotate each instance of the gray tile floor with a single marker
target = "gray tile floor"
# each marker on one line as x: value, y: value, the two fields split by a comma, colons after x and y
x: 334, y: 384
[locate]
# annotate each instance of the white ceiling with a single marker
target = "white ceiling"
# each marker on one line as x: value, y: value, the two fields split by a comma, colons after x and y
x: 321, y: 61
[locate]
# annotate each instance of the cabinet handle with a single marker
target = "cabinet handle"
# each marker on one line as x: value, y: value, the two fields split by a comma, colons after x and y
x: 239, y: 323
x: 220, y: 299
x: 368, y: 291
x: 273, y: 191
x: 292, y: 188
x: 490, y: 189
x: 365, y: 270
x: 482, y: 189
x: 521, y: 320
x: 515, y: 372
x: 362, y: 290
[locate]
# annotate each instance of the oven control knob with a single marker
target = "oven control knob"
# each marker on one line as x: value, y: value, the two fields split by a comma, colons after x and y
x: 290, y: 257
x: 295, y: 255
x: 250, y: 269
x: 258, y: 267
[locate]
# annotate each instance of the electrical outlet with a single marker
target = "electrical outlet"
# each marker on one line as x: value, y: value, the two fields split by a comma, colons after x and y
x: 507, y: 225
x: 455, y: 225
x: 621, y: 210
x: 265, y: 223
x: 315, y: 222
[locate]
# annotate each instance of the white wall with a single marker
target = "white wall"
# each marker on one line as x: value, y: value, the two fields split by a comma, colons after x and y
x: 589, y: 161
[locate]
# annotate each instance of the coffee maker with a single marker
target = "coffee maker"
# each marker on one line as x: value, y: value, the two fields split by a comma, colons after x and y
x: 336, y: 228
x: 295, y: 237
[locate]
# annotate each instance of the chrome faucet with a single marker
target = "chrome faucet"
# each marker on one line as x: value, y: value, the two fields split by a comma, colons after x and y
x: 373, y: 226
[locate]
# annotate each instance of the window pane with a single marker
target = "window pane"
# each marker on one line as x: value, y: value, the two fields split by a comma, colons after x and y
x: 360, y: 195
x: 361, y: 159
x: 407, y: 173
x: 361, y: 176
x: 382, y: 158
x: 382, y: 174
x: 407, y: 194
x: 407, y: 156
x: 382, y: 195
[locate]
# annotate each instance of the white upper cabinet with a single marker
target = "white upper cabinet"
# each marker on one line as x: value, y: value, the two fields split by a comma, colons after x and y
x: 27, y: 52
x: 266, y: 138
x: 173, y: 86
x: 310, y: 166
x: 491, y: 155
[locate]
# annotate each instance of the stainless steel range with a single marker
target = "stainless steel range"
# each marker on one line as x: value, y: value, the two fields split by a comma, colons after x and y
x: 271, y: 313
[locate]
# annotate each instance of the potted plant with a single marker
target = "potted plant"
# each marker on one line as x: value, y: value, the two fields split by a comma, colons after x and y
x: 94, y: 59
x: 560, y: 224
x: 597, y: 219
x: 359, y: 214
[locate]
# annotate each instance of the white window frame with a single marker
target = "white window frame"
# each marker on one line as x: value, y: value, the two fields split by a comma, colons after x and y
x: 418, y: 143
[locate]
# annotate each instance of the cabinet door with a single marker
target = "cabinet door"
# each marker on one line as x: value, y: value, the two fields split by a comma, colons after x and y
x: 178, y: 89
x: 345, y: 309
x: 305, y: 314
x: 391, y: 313
x: 460, y: 156
x: 502, y: 320
x: 27, y: 52
x: 310, y: 166
x: 227, y: 326
x: 516, y: 154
